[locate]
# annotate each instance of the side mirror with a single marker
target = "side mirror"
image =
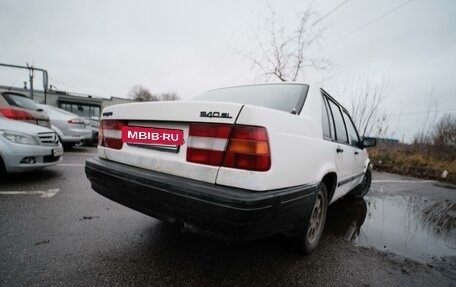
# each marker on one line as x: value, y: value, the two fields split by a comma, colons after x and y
x: 369, y: 142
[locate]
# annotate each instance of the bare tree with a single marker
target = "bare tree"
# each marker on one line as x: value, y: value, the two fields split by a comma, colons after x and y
x: 424, y: 135
x: 445, y: 131
x: 366, y: 94
x: 169, y: 96
x: 141, y: 94
x: 285, y: 54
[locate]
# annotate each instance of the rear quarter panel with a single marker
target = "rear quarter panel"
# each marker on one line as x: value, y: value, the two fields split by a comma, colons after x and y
x: 299, y: 155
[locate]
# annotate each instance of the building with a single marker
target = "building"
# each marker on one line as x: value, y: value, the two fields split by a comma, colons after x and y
x: 87, y: 106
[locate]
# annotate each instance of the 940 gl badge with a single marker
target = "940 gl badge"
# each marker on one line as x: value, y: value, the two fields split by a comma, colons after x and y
x: 204, y: 114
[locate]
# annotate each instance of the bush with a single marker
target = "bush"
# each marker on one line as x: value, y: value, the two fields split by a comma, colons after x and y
x: 419, y: 160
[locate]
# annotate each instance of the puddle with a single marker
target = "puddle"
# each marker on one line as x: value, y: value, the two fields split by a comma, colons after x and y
x: 414, y: 227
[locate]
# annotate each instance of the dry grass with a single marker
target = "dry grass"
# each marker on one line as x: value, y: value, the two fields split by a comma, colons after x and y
x: 424, y: 161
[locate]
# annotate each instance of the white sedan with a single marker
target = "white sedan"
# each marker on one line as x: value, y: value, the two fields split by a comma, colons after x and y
x: 25, y: 147
x: 235, y: 163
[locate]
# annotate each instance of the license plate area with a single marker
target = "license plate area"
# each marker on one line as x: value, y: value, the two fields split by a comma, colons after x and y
x: 57, y: 152
x: 42, y: 123
x: 156, y: 138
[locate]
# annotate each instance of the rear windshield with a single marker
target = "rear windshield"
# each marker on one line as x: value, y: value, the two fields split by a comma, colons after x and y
x: 20, y: 101
x: 288, y: 98
x: 51, y: 109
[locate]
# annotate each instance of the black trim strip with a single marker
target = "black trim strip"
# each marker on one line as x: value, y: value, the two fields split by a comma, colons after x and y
x: 302, y: 99
x: 345, y: 181
x: 165, y: 148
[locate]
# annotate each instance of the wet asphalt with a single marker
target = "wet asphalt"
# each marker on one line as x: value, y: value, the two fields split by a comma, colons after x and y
x: 56, y: 231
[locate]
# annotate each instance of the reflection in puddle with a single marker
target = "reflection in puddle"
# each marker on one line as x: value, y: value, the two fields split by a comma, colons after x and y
x: 414, y: 227
x: 410, y: 226
x: 345, y: 217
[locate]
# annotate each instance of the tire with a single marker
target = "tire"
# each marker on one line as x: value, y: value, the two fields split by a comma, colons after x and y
x: 2, y: 168
x: 308, y: 242
x: 80, y: 143
x: 363, y: 188
x: 68, y: 145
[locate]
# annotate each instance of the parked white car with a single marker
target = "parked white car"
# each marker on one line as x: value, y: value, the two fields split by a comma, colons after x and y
x: 70, y: 128
x: 235, y: 163
x: 26, y: 147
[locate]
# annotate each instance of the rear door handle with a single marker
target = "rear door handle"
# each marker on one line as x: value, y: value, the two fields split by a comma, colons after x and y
x: 339, y: 150
x: 356, y: 152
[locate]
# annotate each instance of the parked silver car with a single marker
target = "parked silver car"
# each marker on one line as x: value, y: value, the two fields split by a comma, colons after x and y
x: 70, y: 128
x: 26, y: 147
x: 94, y: 126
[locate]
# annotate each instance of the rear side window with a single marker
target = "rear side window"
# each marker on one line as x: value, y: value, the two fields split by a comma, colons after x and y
x: 354, y: 139
x: 327, y: 123
x: 341, y: 132
x: 20, y: 101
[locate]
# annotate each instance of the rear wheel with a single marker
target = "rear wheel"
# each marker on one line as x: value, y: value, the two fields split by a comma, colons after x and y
x: 79, y: 143
x: 66, y: 144
x: 308, y: 242
x: 361, y: 190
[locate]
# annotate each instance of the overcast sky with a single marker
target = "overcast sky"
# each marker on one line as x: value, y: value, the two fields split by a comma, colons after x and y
x: 104, y: 48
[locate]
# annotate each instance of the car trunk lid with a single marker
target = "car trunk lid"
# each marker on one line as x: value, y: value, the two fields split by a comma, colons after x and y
x: 169, y: 118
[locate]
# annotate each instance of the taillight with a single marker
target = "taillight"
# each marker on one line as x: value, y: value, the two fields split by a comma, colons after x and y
x: 241, y: 147
x: 207, y: 143
x: 76, y: 121
x: 16, y: 114
x: 110, y: 133
x: 248, y: 149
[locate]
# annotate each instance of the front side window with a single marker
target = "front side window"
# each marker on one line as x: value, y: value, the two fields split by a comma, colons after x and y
x: 354, y: 139
x: 341, y: 132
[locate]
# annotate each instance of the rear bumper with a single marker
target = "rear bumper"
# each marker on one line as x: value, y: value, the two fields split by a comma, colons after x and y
x: 76, y: 135
x: 229, y: 213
